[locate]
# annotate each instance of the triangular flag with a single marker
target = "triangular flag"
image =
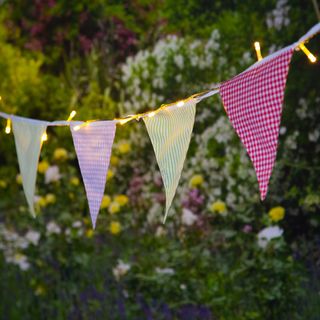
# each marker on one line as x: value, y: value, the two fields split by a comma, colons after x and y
x: 170, y: 133
x: 27, y: 136
x: 253, y: 102
x: 93, y: 144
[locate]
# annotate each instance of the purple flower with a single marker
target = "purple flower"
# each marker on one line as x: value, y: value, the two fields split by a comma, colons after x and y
x: 194, y: 200
x: 247, y: 228
x: 86, y: 43
x: 135, y: 189
x: 160, y: 197
x: 158, y: 180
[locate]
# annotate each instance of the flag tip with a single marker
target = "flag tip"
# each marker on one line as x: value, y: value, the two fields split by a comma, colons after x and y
x: 165, y: 218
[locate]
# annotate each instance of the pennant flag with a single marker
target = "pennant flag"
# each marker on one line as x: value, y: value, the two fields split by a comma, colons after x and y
x: 253, y: 102
x: 170, y: 133
x: 93, y: 143
x: 27, y: 136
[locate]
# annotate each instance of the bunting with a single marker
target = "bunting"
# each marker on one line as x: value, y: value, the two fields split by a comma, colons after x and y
x: 170, y: 133
x: 253, y: 102
x: 27, y: 136
x: 93, y: 143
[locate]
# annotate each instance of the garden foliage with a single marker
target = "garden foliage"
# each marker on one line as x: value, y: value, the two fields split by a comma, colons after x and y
x: 222, y: 254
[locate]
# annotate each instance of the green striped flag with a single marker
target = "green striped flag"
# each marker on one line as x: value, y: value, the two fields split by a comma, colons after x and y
x: 27, y: 136
x: 170, y: 133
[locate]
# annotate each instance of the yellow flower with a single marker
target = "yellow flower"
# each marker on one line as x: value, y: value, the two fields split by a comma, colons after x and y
x: 89, y: 233
x: 43, y: 166
x: 114, y: 160
x: 277, y: 213
x: 19, y: 179
x: 75, y: 181
x: 218, y: 206
x: 71, y: 195
x: 86, y: 221
x: 121, y: 199
x: 3, y: 184
x: 115, y: 227
x: 60, y: 154
x: 42, y: 202
x: 114, y: 207
x: 106, y: 200
x: 124, y: 147
x: 50, y: 198
x: 40, y: 290
x: 110, y: 174
x: 196, y: 180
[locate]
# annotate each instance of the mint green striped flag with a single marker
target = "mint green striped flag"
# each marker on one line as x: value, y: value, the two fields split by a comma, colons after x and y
x: 170, y: 133
x: 27, y: 136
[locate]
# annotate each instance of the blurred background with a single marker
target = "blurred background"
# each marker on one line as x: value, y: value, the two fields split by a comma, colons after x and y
x: 222, y: 253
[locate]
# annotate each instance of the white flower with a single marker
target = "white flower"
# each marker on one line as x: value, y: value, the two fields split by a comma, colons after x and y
x: 21, y: 261
x: 160, y: 232
x: 53, y: 228
x: 33, y: 237
x: 165, y: 271
x: 188, y: 218
x: 183, y: 286
x: 52, y: 174
x: 267, y: 234
x: 283, y: 130
x: 314, y: 136
x: 21, y: 243
x: 121, y: 269
x: 10, y: 235
x: 77, y: 224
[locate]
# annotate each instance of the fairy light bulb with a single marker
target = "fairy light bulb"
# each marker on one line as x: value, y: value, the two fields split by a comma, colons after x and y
x: 180, y: 104
x: 310, y: 56
x: 8, y: 126
x: 71, y: 116
x: 123, y: 121
x: 44, y: 137
x: 85, y: 124
x: 258, y: 50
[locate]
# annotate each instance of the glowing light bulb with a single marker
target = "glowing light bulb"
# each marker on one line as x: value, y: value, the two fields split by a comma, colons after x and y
x: 123, y: 121
x: 310, y: 56
x: 8, y: 126
x: 258, y: 50
x: 44, y: 137
x: 72, y: 114
x: 180, y: 104
x: 151, y: 114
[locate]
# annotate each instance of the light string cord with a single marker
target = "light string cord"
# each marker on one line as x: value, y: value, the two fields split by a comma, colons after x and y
x: 180, y: 103
x: 197, y: 96
x: 300, y: 45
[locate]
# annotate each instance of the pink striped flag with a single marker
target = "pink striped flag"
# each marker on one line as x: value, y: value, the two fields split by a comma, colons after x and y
x: 93, y: 144
x: 253, y: 102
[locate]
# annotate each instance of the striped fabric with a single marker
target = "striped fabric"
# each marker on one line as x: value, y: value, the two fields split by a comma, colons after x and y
x: 27, y: 136
x: 93, y: 144
x: 170, y: 133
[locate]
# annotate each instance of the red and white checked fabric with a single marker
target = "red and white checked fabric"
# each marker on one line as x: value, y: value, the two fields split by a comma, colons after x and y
x: 93, y: 144
x: 253, y: 102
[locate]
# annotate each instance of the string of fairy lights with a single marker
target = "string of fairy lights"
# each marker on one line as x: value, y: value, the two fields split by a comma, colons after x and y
x: 179, y: 104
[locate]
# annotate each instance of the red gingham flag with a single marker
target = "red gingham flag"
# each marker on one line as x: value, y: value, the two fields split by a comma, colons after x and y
x: 253, y: 102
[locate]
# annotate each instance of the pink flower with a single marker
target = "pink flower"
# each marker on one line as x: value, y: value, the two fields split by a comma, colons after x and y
x: 86, y: 43
x: 247, y: 228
